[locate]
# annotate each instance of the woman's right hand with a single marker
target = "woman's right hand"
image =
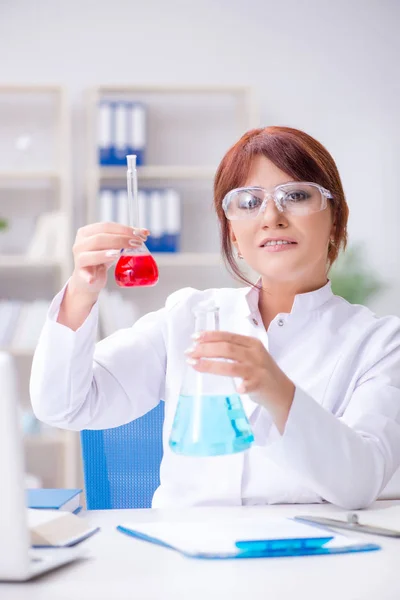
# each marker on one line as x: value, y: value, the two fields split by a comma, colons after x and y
x: 96, y: 248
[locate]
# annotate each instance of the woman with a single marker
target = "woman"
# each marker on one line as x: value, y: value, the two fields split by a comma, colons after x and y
x: 320, y: 378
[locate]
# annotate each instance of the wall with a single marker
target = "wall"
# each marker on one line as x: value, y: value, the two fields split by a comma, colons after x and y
x: 330, y: 68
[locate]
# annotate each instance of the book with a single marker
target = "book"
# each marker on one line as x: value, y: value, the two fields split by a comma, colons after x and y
x: 57, y: 529
x: 244, y: 538
x: 53, y: 499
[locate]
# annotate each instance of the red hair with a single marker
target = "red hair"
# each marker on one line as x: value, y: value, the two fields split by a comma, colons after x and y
x: 300, y: 156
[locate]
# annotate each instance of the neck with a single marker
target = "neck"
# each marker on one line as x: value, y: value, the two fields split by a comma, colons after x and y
x: 278, y: 297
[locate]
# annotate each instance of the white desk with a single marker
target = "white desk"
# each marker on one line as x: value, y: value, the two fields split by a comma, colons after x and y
x: 119, y: 567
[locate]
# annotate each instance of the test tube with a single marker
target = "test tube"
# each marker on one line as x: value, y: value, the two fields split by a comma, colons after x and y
x: 132, y: 186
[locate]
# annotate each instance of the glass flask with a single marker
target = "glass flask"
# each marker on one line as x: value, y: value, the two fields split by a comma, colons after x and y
x: 209, y: 418
x: 136, y: 266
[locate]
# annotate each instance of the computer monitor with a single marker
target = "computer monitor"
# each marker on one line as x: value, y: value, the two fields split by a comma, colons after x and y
x: 18, y: 562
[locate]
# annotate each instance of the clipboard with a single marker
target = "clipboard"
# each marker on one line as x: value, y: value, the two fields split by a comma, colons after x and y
x: 188, y: 540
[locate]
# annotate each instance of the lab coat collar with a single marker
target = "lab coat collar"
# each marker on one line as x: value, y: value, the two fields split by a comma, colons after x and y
x: 302, y: 302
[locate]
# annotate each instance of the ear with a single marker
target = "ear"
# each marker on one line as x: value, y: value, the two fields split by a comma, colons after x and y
x: 232, y: 236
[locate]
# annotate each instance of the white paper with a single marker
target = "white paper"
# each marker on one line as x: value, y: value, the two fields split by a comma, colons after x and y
x: 219, y: 538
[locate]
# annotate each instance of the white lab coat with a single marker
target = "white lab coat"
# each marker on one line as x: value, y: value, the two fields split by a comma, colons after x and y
x: 341, y: 443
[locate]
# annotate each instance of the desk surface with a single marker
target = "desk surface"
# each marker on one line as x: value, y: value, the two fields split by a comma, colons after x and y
x: 119, y: 567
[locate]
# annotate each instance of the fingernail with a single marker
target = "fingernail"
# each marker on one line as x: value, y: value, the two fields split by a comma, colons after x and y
x: 112, y: 252
x: 190, y: 350
x: 197, y: 335
x: 191, y: 361
x: 135, y: 243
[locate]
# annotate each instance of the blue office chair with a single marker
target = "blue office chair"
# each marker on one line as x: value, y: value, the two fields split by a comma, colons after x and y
x: 121, y: 465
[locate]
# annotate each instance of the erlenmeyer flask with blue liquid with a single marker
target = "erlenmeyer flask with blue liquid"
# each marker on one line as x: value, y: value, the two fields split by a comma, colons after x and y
x: 209, y: 418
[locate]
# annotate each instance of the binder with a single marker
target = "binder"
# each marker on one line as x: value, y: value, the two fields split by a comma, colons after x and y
x: 121, y: 148
x: 245, y: 538
x: 144, y: 221
x: 105, y: 133
x: 155, y: 240
x: 107, y: 212
x: 172, y: 220
x: 122, y: 206
x: 137, y: 131
x: 121, y: 131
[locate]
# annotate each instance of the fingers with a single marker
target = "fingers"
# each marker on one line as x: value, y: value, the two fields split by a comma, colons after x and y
x: 95, y: 258
x: 225, y: 350
x: 229, y: 369
x: 224, y: 336
x: 108, y: 241
x: 112, y: 228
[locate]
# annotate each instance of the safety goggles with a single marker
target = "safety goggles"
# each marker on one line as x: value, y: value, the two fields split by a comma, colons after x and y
x: 297, y: 197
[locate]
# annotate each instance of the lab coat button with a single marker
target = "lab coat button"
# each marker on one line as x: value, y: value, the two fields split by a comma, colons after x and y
x: 281, y: 322
x: 255, y: 321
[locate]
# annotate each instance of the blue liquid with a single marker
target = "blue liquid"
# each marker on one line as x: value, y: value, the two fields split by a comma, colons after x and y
x: 217, y: 425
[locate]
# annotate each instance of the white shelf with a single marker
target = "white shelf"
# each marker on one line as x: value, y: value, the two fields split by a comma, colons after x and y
x: 187, y: 259
x: 13, y: 88
x: 159, y: 172
x: 18, y: 261
x: 53, y: 269
x: 174, y: 89
x: 25, y: 175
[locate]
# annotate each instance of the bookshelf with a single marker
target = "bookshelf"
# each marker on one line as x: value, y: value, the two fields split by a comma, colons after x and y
x: 35, y: 164
x: 188, y: 129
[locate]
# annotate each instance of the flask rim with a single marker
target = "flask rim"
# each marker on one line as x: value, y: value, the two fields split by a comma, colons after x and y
x: 205, y: 307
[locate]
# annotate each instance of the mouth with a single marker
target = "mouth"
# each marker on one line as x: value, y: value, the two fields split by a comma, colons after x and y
x: 278, y: 244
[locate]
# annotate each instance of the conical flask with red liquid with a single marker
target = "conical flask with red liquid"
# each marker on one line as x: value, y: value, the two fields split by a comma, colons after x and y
x: 135, y: 267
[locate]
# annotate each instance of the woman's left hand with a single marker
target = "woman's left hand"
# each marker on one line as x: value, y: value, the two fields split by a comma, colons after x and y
x: 250, y: 361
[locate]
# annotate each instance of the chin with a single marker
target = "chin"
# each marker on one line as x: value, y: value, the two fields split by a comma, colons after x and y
x: 279, y: 270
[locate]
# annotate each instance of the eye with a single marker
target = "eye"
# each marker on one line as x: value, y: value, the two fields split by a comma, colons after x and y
x: 249, y: 201
x: 296, y: 196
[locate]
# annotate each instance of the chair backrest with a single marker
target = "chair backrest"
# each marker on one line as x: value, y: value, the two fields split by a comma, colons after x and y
x: 121, y: 465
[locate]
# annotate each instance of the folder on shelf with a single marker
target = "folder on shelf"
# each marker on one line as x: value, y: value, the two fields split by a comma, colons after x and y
x: 105, y: 133
x: 121, y: 149
x: 107, y: 209
x: 54, y: 499
x: 246, y: 538
x: 121, y: 131
x: 137, y: 131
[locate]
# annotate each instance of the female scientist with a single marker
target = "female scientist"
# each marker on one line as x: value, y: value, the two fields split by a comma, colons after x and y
x: 320, y: 378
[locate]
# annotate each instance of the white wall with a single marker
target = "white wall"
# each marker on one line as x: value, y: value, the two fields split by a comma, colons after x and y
x: 330, y: 68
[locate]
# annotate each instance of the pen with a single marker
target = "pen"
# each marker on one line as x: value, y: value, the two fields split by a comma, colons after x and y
x: 352, y: 523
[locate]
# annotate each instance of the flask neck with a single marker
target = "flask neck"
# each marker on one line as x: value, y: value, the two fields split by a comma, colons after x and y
x: 207, y: 320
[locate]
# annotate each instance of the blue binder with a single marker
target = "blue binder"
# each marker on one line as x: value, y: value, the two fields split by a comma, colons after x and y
x: 54, y: 499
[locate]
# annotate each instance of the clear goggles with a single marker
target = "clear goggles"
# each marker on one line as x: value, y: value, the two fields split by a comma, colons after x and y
x: 297, y: 198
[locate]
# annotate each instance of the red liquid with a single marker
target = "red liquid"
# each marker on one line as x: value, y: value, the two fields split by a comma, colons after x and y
x: 136, y: 270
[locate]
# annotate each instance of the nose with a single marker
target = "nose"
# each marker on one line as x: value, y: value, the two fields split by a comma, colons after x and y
x: 271, y: 216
